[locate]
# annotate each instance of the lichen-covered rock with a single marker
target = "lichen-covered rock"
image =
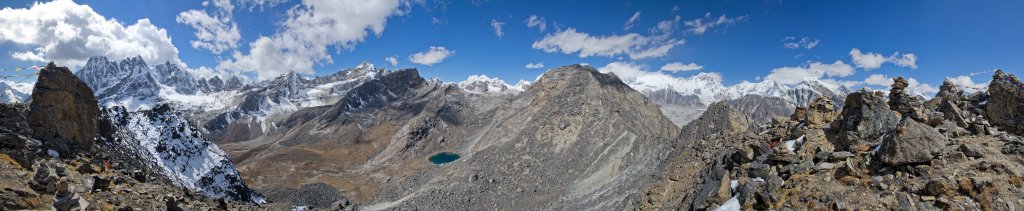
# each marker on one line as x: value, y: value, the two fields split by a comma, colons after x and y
x: 864, y: 119
x: 1005, y: 106
x: 64, y: 113
x: 911, y: 143
x: 821, y: 112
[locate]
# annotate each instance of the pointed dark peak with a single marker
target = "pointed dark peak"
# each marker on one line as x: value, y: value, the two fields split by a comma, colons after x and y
x: 377, y: 93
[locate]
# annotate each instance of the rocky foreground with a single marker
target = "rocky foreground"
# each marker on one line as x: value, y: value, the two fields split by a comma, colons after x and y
x: 895, y: 152
x: 63, y: 152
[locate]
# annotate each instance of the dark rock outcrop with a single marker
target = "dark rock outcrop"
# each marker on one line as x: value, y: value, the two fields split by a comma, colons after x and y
x: 820, y: 112
x: 865, y: 118
x: 64, y: 113
x: 1005, y: 106
x: 911, y: 143
x: 717, y: 120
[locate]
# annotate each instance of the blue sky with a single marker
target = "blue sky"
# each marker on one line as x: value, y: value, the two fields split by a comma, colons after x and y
x: 946, y: 38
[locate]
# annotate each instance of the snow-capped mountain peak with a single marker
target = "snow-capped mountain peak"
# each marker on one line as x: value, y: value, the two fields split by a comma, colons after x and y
x: 483, y: 84
x: 14, y: 92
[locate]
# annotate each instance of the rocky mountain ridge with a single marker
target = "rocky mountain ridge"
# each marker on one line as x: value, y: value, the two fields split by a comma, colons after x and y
x: 62, y: 152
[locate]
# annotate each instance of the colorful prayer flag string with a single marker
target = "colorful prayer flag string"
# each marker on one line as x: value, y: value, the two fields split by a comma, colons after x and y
x: 33, y: 67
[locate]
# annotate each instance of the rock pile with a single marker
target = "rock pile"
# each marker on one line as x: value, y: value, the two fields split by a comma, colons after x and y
x: 1005, y: 106
x: 864, y: 119
x: 904, y: 103
x: 881, y: 159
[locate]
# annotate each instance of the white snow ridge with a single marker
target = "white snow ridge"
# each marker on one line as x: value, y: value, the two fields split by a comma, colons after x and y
x: 173, y: 146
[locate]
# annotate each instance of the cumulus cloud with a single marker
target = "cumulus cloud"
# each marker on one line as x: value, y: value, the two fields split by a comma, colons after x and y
x: 28, y: 56
x: 497, y: 26
x: 535, y: 65
x: 803, y: 42
x: 878, y: 80
x: 434, y: 55
x: 634, y: 45
x: 309, y: 30
x: 632, y: 21
x: 700, y: 25
x: 869, y: 60
x: 68, y: 33
x: 904, y: 60
x: 680, y: 67
x: 207, y: 73
x: 216, y: 33
x: 537, y: 22
x: 815, y: 70
x: 392, y: 60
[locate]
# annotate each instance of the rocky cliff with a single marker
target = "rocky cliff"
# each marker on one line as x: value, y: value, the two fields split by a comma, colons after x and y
x: 64, y: 112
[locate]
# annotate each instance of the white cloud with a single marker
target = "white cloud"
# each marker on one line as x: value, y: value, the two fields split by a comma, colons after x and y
x: 680, y: 67
x: 435, y: 55
x: 675, y: 8
x: 497, y: 26
x: 632, y: 21
x: 217, y: 33
x: 878, y: 80
x: 869, y: 60
x: 28, y: 56
x: 68, y: 34
x: 438, y: 21
x: 815, y: 70
x: 700, y: 25
x: 635, y: 45
x: 665, y: 28
x: 539, y: 22
x: 803, y: 42
x: 309, y: 30
x: 252, y: 4
x: 207, y: 73
x: 904, y: 60
x: 392, y: 60
x: 535, y: 65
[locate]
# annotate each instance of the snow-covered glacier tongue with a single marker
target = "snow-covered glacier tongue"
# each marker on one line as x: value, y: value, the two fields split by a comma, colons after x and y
x: 170, y: 145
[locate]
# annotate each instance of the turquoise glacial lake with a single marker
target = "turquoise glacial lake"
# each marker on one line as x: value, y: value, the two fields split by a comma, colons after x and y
x: 444, y: 157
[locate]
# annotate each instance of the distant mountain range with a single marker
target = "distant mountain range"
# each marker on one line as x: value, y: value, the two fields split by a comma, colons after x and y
x: 133, y: 84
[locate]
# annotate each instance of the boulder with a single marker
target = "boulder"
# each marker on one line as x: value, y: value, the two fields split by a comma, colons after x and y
x: 950, y: 111
x: 64, y: 113
x: 911, y: 143
x: 1005, y: 107
x: 863, y: 121
x: 821, y: 112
